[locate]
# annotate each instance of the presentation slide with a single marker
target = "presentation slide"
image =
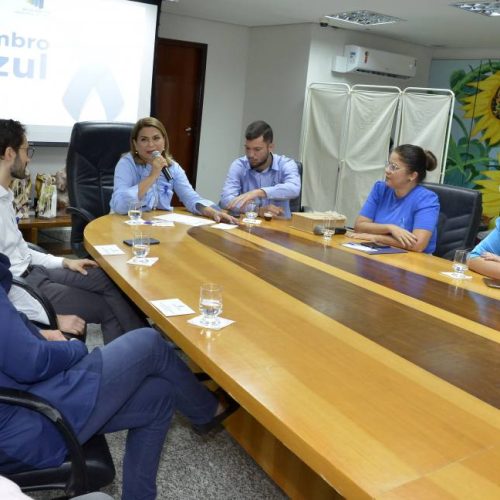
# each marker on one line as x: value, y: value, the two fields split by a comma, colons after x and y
x: 63, y: 61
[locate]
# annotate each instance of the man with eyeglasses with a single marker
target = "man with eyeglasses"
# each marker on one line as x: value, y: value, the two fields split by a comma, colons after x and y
x: 73, y: 286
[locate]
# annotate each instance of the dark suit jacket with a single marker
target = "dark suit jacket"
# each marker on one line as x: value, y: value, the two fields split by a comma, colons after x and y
x: 61, y: 372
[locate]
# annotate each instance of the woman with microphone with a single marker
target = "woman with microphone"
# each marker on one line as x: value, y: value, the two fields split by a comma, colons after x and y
x: 148, y: 173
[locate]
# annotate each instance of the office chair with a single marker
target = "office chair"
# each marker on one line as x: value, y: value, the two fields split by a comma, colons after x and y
x: 87, y: 467
x: 94, y: 150
x: 459, y: 218
x: 296, y: 203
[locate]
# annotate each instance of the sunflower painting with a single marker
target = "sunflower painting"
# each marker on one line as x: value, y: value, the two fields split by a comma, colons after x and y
x: 485, y: 107
x: 474, y: 148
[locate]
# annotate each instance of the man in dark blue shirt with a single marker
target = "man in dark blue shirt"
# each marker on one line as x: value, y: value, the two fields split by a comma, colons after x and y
x: 135, y: 382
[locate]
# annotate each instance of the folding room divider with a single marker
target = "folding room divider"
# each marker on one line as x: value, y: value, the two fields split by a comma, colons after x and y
x: 347, y: 132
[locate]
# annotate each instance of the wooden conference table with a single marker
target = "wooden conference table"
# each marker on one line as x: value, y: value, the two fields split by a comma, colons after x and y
x: 378, y: 373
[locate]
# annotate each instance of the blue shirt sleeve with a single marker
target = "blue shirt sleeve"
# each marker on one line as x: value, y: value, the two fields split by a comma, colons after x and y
x: 26, y: 357
x: 369, y: 209
x: 427, y: 212
x: 233, y: 185
x: 126, y: 184
x: 182, y: 187
x: 289, y: 187
x: 490, y: 244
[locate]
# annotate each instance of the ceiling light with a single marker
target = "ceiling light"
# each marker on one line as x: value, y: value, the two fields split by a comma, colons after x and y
x: 484, y: 8
x: 364, y: 17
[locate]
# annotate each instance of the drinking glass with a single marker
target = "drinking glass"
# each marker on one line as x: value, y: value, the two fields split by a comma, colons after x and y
x: 140, y: 247
x: 210, y: 303
x: 135, y: 211
x: 460, y: 265
x: 328, y: 230
x: 251, y: 209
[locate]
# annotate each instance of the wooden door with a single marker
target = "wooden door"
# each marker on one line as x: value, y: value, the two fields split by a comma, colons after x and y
x: 178, y: 99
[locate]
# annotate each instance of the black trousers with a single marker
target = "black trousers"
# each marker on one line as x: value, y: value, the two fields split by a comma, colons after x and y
x: 94, y: 297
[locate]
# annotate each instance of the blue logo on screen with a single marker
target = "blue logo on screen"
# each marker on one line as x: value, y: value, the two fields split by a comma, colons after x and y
x: 36, y: 3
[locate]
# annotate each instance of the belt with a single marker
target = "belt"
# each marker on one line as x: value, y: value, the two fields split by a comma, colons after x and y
x: 27, y: 271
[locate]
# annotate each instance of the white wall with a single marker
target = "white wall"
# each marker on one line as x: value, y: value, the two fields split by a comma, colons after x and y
x: 224, y: 94
x: 276, y: 78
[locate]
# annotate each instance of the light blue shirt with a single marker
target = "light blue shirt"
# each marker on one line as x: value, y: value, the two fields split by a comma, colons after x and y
x: 280, y: 182
x: 129, y: 174
x: 490, y: 244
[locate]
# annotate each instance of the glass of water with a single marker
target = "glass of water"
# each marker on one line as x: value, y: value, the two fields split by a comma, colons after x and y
x: 135, y: 211
x: 460, y: 265
x: 328, y: 229
x: 251, y: 211
x: 210, y: 303
x: 140, y: 247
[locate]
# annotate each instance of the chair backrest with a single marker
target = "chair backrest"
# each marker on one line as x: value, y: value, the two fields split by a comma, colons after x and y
x: 94, y: 150
x: 459, y: 218
x: 296, y: 203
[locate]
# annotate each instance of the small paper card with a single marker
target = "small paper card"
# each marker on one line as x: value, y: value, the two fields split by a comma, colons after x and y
x: 223, y: 225
x: 198, y: 321
x: 109, y: 250
x: 172, y: 307
x: 146, y: 261
x: 185, y: 219
x: 452, y: 275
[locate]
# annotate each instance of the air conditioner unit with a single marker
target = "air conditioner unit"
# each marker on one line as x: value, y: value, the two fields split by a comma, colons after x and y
x: 363, y: 60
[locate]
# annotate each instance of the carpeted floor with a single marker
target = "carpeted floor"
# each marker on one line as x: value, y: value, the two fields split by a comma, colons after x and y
x: 192, y: 467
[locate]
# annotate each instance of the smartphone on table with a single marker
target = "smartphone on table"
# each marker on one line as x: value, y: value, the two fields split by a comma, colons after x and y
x: 492, y: 283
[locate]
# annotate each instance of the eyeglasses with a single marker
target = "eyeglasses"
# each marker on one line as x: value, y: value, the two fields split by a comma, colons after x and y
x: 392, y: 167
x: 30, y: 151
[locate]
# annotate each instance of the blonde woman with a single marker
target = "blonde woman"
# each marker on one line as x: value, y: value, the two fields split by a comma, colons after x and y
x: 139, y: 176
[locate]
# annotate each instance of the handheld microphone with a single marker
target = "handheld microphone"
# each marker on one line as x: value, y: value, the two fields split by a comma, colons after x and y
x: 165, y: 171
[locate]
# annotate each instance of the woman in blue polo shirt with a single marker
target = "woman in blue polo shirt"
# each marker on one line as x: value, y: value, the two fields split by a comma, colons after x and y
x: 485, y: 258
x: 399, y: 211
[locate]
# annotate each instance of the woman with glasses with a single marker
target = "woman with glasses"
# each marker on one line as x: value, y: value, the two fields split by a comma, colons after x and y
x: 148, y: 174
x: 399, y: 211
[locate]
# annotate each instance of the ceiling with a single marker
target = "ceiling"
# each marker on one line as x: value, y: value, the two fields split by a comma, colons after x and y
x: 432, y: 23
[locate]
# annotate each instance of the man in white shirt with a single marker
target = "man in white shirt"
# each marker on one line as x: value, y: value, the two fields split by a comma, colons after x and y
x: 73, y: 286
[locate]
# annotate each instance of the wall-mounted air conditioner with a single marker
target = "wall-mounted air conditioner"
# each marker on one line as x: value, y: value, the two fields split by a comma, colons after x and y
x: 364, y: 60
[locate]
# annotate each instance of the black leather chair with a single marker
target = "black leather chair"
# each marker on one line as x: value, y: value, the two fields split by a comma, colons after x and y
x: 94, y: 150
x: 459, y: 218
x: 296, y: 203
x: 87, y: 468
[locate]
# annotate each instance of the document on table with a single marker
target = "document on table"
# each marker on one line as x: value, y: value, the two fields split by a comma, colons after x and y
x: 109, y: 250
x: 360, y: 247
x: 374, y: 251
x: 172, y: 307
x: 185, y: 219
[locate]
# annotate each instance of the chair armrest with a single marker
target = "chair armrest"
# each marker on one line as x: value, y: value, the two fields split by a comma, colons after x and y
x: 35, y: 247
x: 78, y: 478
x: 85, y: 215
x: 47, y: 306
